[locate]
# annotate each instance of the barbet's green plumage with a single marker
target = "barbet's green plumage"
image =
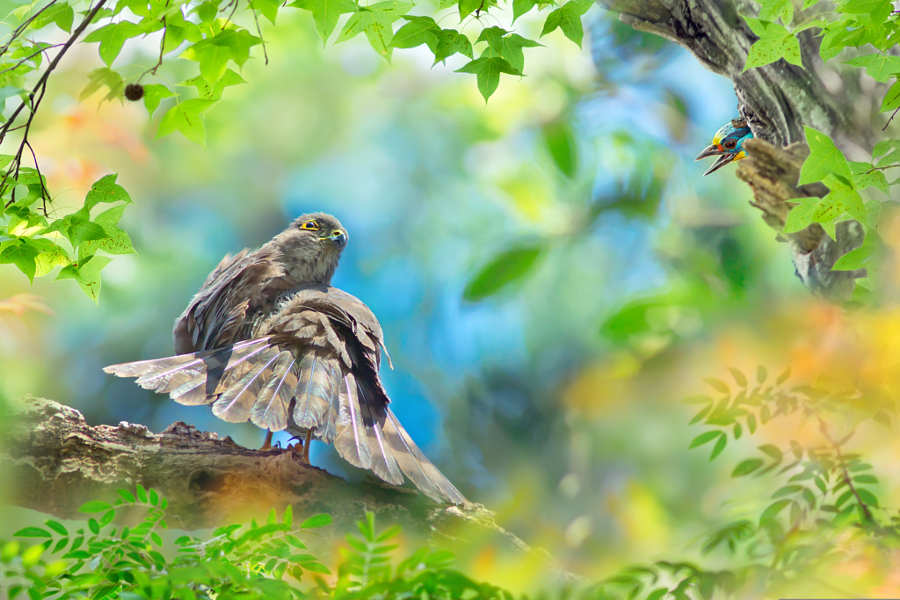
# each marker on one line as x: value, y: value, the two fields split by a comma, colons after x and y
x: 727, y: 145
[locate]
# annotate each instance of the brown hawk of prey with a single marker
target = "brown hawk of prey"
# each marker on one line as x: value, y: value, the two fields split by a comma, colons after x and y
x: 268, y: 339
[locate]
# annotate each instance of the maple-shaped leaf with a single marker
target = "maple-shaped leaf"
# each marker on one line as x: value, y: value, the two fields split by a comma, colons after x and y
x: 841, y: 199
x: 61, y: 14
x: 506, y: 45
x: 487, y: 70
x: 452, y: 42
x: 187, y: 118
x: 116, y: 241
x: 326, y: 13
x: 86, y: 272
x: 269, y: 8
x: 22, y: 254
x: 51, y: 256
x: 214, y: 52
x: 103, y: 77
x: 773, y: 9
x: 568, y: 18
x: 106, y: 190
x: 207, y: 92
x: 77, y: 227
x: 865, y: 175
x: 520, y: 7
x: 153, y: 95
x: 879, y: 67
x: 824, y: 159
x: 376, y: 22
x: 112, y: 37
x: 775, y: 42
x: 418, y: 31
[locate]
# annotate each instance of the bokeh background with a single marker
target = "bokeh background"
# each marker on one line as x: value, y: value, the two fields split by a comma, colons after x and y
x: 557, y: 401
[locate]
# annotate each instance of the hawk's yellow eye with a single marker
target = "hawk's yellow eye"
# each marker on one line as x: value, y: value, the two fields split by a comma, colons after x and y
x: 310, y: 225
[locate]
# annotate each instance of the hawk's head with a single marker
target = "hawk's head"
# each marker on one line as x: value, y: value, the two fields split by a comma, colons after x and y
x: 311, y: 247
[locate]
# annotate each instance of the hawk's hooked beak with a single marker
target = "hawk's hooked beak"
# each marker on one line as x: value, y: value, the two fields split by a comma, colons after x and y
x: 338, y: 238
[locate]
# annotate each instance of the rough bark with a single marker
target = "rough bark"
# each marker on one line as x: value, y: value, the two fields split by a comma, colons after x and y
x: 777, y: 100
x: 53, y: 462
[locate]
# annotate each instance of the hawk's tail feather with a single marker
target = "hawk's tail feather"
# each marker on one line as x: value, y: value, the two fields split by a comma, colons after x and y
x: 350, y: 439
x: 317, y: 385
x: 271, y: 408
x: 384, y: 463
x: 241, y: 389
x: 416, y: 465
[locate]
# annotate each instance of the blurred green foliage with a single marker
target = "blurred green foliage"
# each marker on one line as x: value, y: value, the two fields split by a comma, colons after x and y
x: 551, y: 271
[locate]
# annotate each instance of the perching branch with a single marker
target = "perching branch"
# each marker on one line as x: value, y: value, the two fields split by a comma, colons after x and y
x: 53, y: 462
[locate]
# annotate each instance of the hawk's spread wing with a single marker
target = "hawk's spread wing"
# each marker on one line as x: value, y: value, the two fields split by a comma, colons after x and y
x: 230, y: 297
x: 312, y: 366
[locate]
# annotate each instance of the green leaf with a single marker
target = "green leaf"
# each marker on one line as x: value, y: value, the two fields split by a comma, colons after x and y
x: 61, y: 14
x: 214, y: 52
x: 717, y: 385
x: 775, y: 42
x: 269, y: 8
x: 772, y: 511
x: 112, y: 37
x: 891, y: 98
x: 376, y: 22
x: 103, y: 77
x: 720, y: 445
x: 861, y: 257
x: 208, y: 92
x: 106, y: 190
x: 467, y: 7
x: 86, y: 273
x: 505, y: 268
x: 773, y: 9
x: 738, y: 376
x: 451, y: 42
x: 867, y: 497
x: 326, y: 13
x: 61, y: 529
x: 95, y: 506
x: 879, y: 67
x: 865, y: 175
x: 22, y: 254
x: 824, y: 159
x: 51, y: 256
x: 506, y: 46
x: 487, y: 70
x: 418, y: 31
x: 186, y: 118
x: 315, y: 521
x: 33, y: 532
x: 746, y: 467
x: 153, y: 95
x: 520, y: 7
x: 704, y: 438
x: 878, y: 10
x: 773, y: 451
x: 568, y: 18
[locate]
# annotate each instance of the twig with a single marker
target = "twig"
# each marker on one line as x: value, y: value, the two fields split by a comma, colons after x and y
x: 259, y: 31
x: 880, y: 168
x: 22, y: 28
x: 162, y: 45
x: 39, y: 90
x: 27, y: 58
x: 45, y: 194
x: 837, y: 452
x: 893, y: 114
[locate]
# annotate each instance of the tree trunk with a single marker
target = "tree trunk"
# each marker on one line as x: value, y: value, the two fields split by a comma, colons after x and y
x: 777, y: 100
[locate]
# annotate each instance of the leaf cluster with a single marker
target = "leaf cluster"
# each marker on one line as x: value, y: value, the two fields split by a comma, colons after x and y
x: 37, y: 240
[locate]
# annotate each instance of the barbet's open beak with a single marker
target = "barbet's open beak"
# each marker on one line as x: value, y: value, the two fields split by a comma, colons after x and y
x: 720, y: 162
x: 716, y: 150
